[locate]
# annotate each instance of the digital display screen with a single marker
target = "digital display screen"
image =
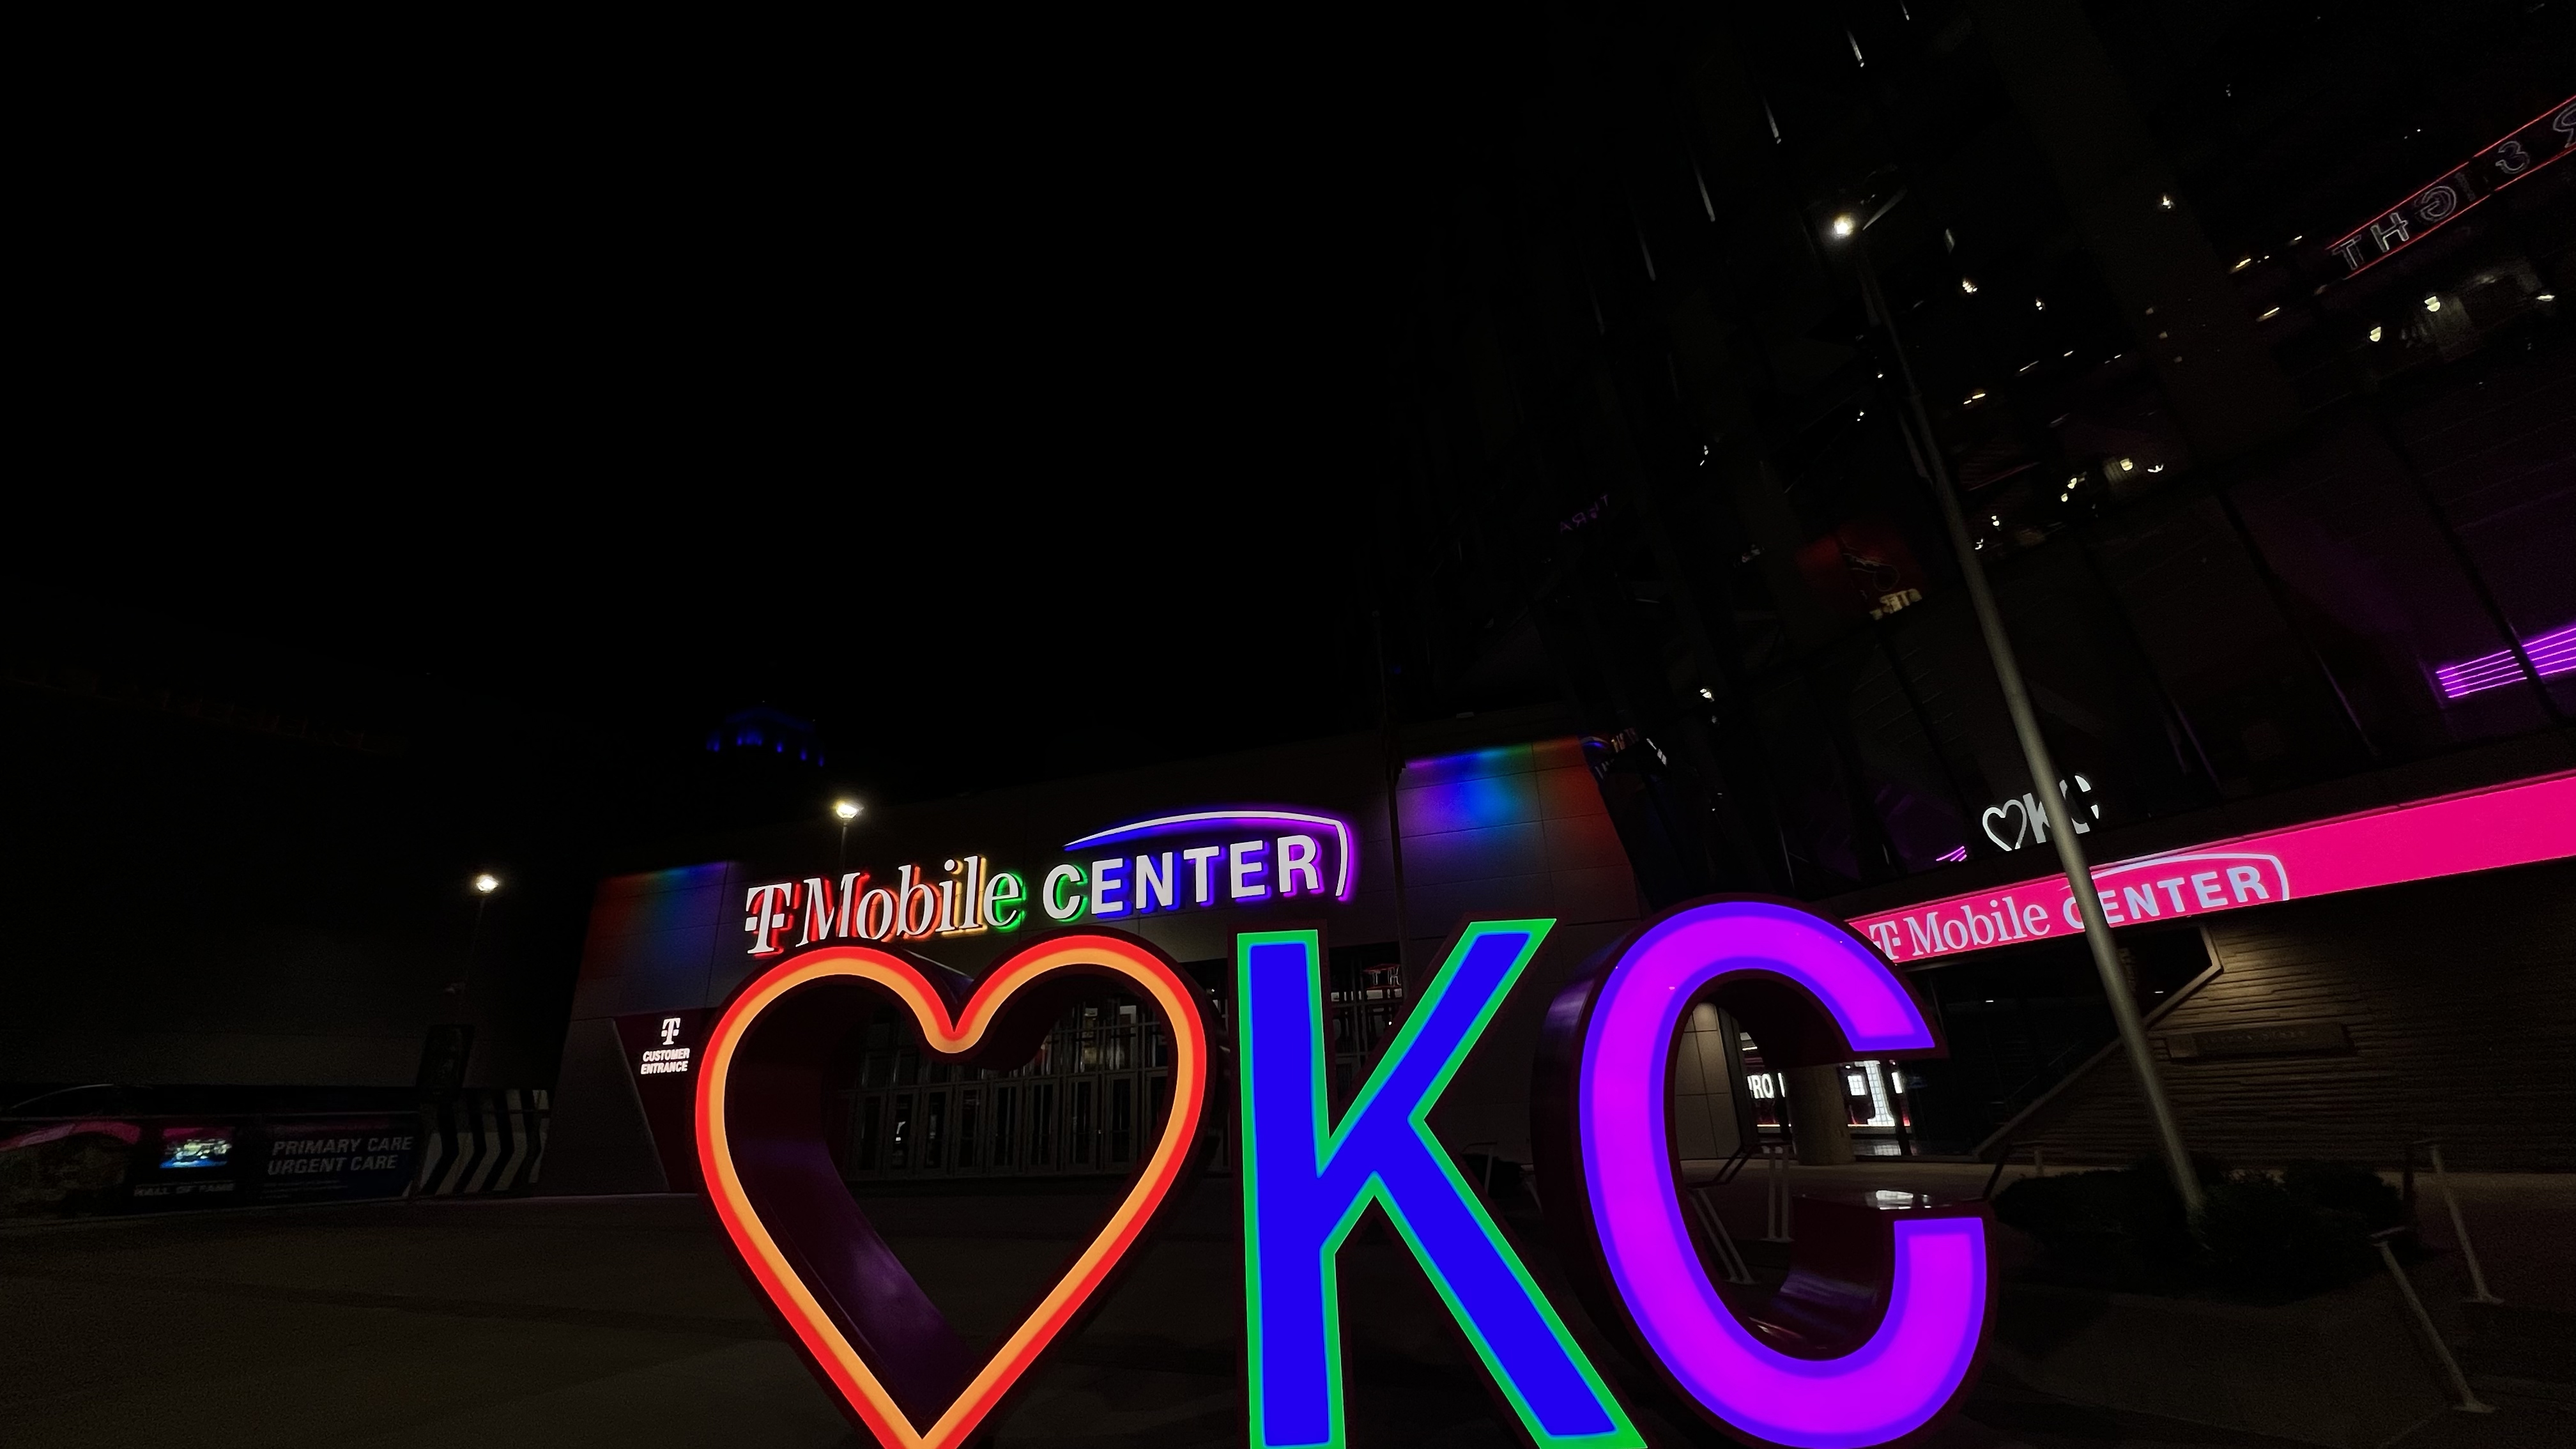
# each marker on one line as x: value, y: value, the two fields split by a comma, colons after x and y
x: 196, y: 1146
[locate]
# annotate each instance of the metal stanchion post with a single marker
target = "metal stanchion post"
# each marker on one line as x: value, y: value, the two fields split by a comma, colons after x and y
x: 2469, y: 1402
x: 2003, y: 1159
x: 1789, y: 1205
x: 1729, y: 1259
x: 1776, y: 1198
x: 1899, y: 1104
x: 2460, y: 1230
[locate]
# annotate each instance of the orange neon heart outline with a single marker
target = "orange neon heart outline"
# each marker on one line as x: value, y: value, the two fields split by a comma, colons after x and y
x: 827, y: 1347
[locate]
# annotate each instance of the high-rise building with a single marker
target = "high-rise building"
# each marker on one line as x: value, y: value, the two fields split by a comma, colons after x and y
x: 2240, y: 332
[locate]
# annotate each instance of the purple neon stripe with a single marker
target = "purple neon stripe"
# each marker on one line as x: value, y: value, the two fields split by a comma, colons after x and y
x: 1168, y: 824
x: 2478, y: 684
x: 2552, y: 653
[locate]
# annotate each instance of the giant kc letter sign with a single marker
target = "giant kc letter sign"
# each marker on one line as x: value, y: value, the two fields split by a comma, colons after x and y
x: 1872, y: 1337
x: 1875, y: 1333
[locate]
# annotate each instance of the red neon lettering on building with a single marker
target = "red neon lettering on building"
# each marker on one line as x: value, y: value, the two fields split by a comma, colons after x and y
x: 828, y: 913
x: 911, y: 891
x: 2461, y: 189
x: 770, y: 906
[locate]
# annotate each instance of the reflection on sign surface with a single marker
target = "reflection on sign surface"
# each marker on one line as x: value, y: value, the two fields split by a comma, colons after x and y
x: 2535, y: 144
x: 2031, y: 818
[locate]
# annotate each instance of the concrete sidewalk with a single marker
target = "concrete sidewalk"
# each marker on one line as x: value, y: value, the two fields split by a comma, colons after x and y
x: 620, y: 1321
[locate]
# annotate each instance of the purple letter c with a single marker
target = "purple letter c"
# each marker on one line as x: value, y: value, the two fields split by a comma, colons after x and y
x: 1615, y: 1031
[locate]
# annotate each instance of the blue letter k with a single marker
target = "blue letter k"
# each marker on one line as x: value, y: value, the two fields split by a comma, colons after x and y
x: 1306, y: 1182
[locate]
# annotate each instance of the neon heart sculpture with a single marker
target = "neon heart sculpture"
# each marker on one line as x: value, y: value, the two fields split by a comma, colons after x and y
x: 861, y: 1322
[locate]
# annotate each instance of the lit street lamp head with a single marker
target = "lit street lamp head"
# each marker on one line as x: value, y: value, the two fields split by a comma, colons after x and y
x: 1844, y: 225
x: 847, y: 810
x: 486, y: 883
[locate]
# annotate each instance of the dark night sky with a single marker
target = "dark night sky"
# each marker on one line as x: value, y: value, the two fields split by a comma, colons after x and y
x: 1008, y: 399
x: 965, y: 390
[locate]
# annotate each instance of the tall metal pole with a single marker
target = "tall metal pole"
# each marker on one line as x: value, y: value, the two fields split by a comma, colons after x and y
x: 1392, y: 766
x: 2034, y: 749
x: 474, y: 939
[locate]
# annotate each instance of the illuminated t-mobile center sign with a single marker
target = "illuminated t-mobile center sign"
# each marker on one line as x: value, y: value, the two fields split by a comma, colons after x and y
x: 1195, y: 860
x: 1889, y: 1346
x: 2517, y: 824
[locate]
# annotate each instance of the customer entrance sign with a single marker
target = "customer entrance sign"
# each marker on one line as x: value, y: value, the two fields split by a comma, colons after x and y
x: 2517, y: 824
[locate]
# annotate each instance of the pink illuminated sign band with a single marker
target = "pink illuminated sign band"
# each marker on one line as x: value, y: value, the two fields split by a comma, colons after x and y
x: 1891, y: 1338
x: 2517, y: 824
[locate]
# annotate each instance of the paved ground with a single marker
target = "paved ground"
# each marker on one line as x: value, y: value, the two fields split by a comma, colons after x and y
x: 621, y: 1322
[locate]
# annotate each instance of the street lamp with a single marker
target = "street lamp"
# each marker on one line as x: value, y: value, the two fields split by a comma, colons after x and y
x: 846, y: 811
x: 486, y: 883
x: 2034, y: 748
